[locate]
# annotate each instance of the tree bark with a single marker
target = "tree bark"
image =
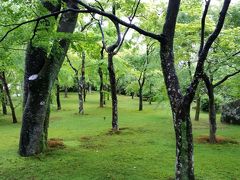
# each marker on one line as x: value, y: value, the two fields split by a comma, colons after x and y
x: 101, y: 93
x: 113, y: 93
x: 100, y: 73
x: 81, y: 86
x: 212, y: 109
x: 3, y: 100
x: 198, y: 103
x: 184, y: 143
x: 58, y: 95
x: 34, y: 126
x: 140, y: 99
x: 5, y: 85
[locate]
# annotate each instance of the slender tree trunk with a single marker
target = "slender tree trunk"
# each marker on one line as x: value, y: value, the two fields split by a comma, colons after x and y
x: 34, y: 126
x: 83, y: 76
x: 81, y: 85
x: 140, y: 99
x: 3, y: 100
x: 212, y: 109
x: 198, y: 102
x: 80, y: 97
x: 5, y: 85
x: 58, y: 95
x: 132, y: 95
x: 100, y: 72
x: 65, y: 92
x: 184, y: 143
x: 101, y: 93
x: 113, y: 93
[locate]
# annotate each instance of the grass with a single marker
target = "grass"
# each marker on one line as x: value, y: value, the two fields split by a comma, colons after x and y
x: 143, y: 150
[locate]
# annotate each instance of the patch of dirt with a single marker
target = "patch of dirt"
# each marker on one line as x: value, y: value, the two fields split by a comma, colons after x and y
x: 120, y: 131
x: 56, y: 143
x: 220, y: 140
x: 85, y: 138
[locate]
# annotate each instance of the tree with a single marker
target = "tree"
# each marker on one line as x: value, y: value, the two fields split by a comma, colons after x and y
x: 180, y: 103
x: 6, y: 88
x: 40, y: 81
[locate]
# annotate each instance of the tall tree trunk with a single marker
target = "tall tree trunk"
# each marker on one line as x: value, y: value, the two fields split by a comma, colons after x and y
x: 212, y: 110
x: 100, y: 72
x: 34, y: 128
x: 140, y: 99
x: 101, y: 93
x: 5, y: 85
x: 58, y: 95
x: 198, y: 103
x: 65, y: 92
x: 113, y: 93
x: 81, y: 85
x: 3, y: 100
x: 83, y: 76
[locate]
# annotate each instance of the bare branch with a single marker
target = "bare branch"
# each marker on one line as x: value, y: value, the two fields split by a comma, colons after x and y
x: 203, y: 25
x: 134, y: 11
x: 116, y: 19
x: 225, y: 78
x: 73, y: 68
x: 43, y: 17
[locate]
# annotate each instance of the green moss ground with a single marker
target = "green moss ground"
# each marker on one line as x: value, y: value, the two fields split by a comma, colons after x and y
x: 143, y: 150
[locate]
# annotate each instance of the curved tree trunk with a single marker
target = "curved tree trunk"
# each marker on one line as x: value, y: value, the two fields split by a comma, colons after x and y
x: 34, y: 126
x: 113, y: 93
x: 5, y: 85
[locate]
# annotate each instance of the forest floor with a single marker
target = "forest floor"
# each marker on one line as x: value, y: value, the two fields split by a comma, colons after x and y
x: 84, y: 148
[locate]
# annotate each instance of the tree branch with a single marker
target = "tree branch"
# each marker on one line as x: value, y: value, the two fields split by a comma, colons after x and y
x: 73, y: 68
x: 203, y: 25
x: 43, y: 17
x: 116, y: 19
x: 225, y: 78
x: 203, y: 55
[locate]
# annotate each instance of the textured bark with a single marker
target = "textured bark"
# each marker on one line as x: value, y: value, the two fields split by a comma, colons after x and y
x: 184, y: 143
x: 140, y: 99
x: 34, y: 125
x: 101, y: 90
x: 58, y: 95
x: 179, y: 104
x: 113, y: 93
x: 212, y: 109
x: 8, y: 94
x: 198, y: 103
x: 3, y: 100
x: 81, y: 83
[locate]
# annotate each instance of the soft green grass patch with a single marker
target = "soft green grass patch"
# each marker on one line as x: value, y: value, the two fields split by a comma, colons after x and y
x: 144, y: 148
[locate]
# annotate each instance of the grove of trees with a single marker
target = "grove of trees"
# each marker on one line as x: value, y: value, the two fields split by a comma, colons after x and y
x: 151, y: 49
